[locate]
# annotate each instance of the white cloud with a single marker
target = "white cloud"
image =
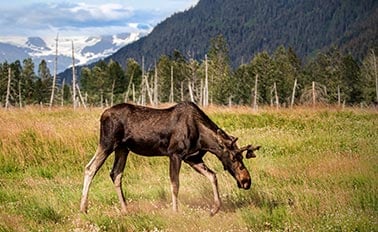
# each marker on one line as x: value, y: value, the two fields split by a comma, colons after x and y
x: 95, y: 17
x: 108, y: 11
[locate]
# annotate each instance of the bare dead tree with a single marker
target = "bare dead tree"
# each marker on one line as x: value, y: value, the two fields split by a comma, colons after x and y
x: 293, y: 93
x: 81, y: 97
x: 182, y: 90
x: 8, y: 88
x: 156, y: 81
x: 112, y: 94
x: 201, y: 92
x: 19, y: 95
x: 190, y: 91
x: 73, y: 76
x: 274, y: 90
x: 133, y: 88
x: 156, y: 99
x: 206, y: 87
x: 171, y: 95
x: 375, y: 74
x: 55, y: 71
x: 63, y: 83
x: 128, y: 88
x: 101, y: 98
x: 142, y: 97
x: 255, y: 93
x: 315, y: 94
x: 143, y: 86
x: 338, y: 96
x: 148, y: 90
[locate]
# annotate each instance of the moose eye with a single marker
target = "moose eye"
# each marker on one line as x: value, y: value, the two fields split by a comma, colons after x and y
x: 236, y: 157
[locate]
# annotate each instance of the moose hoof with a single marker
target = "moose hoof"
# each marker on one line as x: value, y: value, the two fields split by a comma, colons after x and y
x: 85, y: 211
x: 123, y: 212
x: 214, y: 211
x: 84, y: 208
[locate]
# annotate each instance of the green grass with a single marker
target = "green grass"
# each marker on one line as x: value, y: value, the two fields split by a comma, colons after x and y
x: 317, y: 171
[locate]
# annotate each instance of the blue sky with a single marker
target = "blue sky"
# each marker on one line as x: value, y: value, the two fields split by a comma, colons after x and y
x: 83, y: 17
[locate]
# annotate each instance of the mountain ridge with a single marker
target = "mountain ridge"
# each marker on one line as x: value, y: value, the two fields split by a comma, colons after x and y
x: 253, y: 26
x: 88, y: 49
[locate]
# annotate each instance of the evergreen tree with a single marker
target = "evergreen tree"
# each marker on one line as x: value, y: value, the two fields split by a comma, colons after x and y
x: 263, y: 66
x: 338, y: 74
x: 326, y: 70
x: 220, y: 81
x: 243, y: 85
x: 3, y: 81
x: 86, y: 80
x: 28, y: 78
x: 133, y: 77
x: 164, y: 66
x: 101, y: 81
x: 369, y: 78
x: 351, y: 79
x: 181, y: 73
x: 67, y: 95
x: 42, y: 84
x: 194, y: 79
x: 17, y: 85
x: 95, y: 83
x: 287, y: 70
x: 297, y: 70
x: 118, y: 82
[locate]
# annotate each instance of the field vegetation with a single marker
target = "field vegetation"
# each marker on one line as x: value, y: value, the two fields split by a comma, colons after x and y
x: 317, y: 171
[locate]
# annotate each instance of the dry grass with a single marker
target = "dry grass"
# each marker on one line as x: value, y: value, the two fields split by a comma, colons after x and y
x: 317, y: 171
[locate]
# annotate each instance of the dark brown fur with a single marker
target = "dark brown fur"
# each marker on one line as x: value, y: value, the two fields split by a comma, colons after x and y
x: 182, y: 132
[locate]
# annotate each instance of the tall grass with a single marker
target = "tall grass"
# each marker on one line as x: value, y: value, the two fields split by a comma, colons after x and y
x: 316, y: 171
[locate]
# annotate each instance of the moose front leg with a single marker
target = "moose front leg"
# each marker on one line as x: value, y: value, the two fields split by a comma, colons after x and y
x: 197, y: 164
x: 204, y: 170
x: 174, y: 170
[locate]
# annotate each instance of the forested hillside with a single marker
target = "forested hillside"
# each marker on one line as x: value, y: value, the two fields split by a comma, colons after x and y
x: 252, y: 26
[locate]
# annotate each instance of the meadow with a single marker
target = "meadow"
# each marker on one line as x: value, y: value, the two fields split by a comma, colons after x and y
x: 317, y: 171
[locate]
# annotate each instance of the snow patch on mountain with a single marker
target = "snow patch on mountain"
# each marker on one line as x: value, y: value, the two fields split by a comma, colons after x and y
x: 86, y: 49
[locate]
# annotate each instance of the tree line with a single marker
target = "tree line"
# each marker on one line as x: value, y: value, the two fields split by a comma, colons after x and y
x: 20, y: 85
x: 278, y: 79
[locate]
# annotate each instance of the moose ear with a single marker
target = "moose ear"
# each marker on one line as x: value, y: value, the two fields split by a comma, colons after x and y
x: 250, y: 153
x: 256, y: 148
x: 234, y: 139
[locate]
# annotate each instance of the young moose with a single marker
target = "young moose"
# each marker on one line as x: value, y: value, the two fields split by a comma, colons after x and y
x: 183, y: 133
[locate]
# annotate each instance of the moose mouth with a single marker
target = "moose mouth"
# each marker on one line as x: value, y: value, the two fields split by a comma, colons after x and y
x: 244, y: 184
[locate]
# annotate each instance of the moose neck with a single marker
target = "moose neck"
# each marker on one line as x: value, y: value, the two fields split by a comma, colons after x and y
x: 210, y: 142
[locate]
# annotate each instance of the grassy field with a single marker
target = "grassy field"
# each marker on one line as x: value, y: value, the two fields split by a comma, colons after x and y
x: 317, y: 171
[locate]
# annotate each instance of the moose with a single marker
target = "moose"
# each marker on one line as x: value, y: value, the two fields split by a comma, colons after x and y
x: 182, y: 132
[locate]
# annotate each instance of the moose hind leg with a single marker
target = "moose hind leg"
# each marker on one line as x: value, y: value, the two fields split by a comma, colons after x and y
x: 90, y: 171
x: 117, y: 173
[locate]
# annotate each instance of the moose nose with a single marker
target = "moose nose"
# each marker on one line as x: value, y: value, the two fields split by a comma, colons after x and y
x: 245, y: 184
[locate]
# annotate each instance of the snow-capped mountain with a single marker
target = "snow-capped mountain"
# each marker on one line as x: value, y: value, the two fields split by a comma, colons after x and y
x: 86, y: 49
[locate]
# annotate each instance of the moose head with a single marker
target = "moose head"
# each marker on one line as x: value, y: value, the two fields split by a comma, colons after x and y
x: 232, y: 159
